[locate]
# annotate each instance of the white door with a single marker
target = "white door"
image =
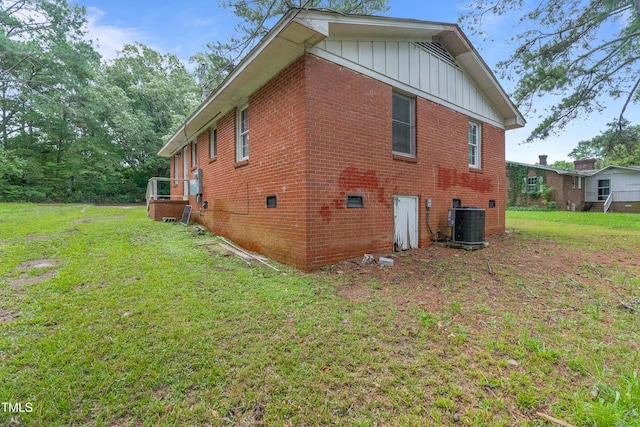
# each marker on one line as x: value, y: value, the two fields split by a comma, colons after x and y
x: 185, y: 174
x: 405, y: 212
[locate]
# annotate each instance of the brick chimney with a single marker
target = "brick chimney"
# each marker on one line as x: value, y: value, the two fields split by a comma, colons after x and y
x: 543, y: 160
x: 585, y: 164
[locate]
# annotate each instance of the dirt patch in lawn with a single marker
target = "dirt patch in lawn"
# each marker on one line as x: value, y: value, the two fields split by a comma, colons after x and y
x: 511, y: 274
x: 7, y: 316
x: 37, y: 263
x: 34, y: 271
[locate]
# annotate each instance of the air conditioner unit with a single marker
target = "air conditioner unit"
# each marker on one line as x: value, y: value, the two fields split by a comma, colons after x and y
x: 467, y: 225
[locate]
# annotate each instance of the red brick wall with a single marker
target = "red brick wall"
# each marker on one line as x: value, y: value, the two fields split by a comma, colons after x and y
x: 625, y: 207
x: 563, y: 192
x: 319, y: 132
x: 236, y: 194
x: 350, y: 152
x: 159, y: 209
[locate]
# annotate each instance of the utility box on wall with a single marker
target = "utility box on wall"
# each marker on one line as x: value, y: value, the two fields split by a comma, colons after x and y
x: 195, y: 184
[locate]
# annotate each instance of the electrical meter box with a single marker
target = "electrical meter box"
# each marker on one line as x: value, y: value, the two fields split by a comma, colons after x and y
x: 195, y: 184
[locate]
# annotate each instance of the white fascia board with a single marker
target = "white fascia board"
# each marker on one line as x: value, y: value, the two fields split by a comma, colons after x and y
x: 365, y: 27
x: 626, y: 168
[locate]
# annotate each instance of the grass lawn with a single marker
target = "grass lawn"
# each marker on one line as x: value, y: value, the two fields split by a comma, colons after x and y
x: 110, y: 319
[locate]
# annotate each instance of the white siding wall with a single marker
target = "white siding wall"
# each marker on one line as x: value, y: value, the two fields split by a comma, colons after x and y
x: 406, y: 63
x: 626, y: 181
x: 625, y: 184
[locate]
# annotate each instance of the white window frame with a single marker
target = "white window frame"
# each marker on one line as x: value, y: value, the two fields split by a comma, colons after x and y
x: 194, y: 153
x: 532, y: 184
x: 242, y: 140
x: 411, y: 124
x: 213, y: 142
x: 474, y: 144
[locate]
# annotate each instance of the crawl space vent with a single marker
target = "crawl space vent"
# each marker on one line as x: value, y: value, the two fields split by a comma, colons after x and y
x: 355, y: 201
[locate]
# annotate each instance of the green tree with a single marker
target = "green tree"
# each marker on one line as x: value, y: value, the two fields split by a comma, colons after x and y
x: 45, y: 67
x: 256, y: 17
x: 562, y: 164
x: 618, y: 145
x: 142, y: 97
x: 71, y: 127
x: 584, y: 51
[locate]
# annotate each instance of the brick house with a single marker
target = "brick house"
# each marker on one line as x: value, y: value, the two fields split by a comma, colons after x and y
x: 609, y: 189
x: 331, y: 137
x: 542, y: 186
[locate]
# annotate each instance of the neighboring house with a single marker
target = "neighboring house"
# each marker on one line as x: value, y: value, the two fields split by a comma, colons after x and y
x: 614, y: 189
x: 610, y: 189
x: 542, y: 186
x: 340, y: 135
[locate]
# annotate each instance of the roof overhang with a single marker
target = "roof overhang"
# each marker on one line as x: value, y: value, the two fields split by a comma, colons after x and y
x: 635, y: 169
x: 299, y: 28
x: 283, y: 44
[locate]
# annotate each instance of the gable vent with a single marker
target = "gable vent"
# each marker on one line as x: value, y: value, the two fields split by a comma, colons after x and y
x: 438, y: 51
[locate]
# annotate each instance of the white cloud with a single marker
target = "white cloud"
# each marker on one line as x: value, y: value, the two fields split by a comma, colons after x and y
x: 109, y: 39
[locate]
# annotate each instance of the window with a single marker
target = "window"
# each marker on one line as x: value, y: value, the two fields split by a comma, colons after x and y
x: 474, y: 145
x: 404, y: 124
x: 242, y: 144
x: 272, y: 202
x: 577, y: 182
x: 532, y: 184
x: 194, y: 154
x: 456, y: 203
x: 213, y: 142
x: 604, y: 189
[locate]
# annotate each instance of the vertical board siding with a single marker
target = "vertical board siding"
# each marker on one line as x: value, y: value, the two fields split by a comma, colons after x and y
x: 407, y: 63
x: 392, y: 59
x: 365, y: 50
x: 379, y: 57
x: 350, y: 51
x: 414, y: 66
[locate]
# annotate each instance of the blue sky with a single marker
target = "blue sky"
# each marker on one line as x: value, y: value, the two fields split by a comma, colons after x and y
x: 183, y: 28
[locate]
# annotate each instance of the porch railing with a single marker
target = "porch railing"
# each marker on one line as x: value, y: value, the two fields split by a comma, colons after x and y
x: 607, y: 203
